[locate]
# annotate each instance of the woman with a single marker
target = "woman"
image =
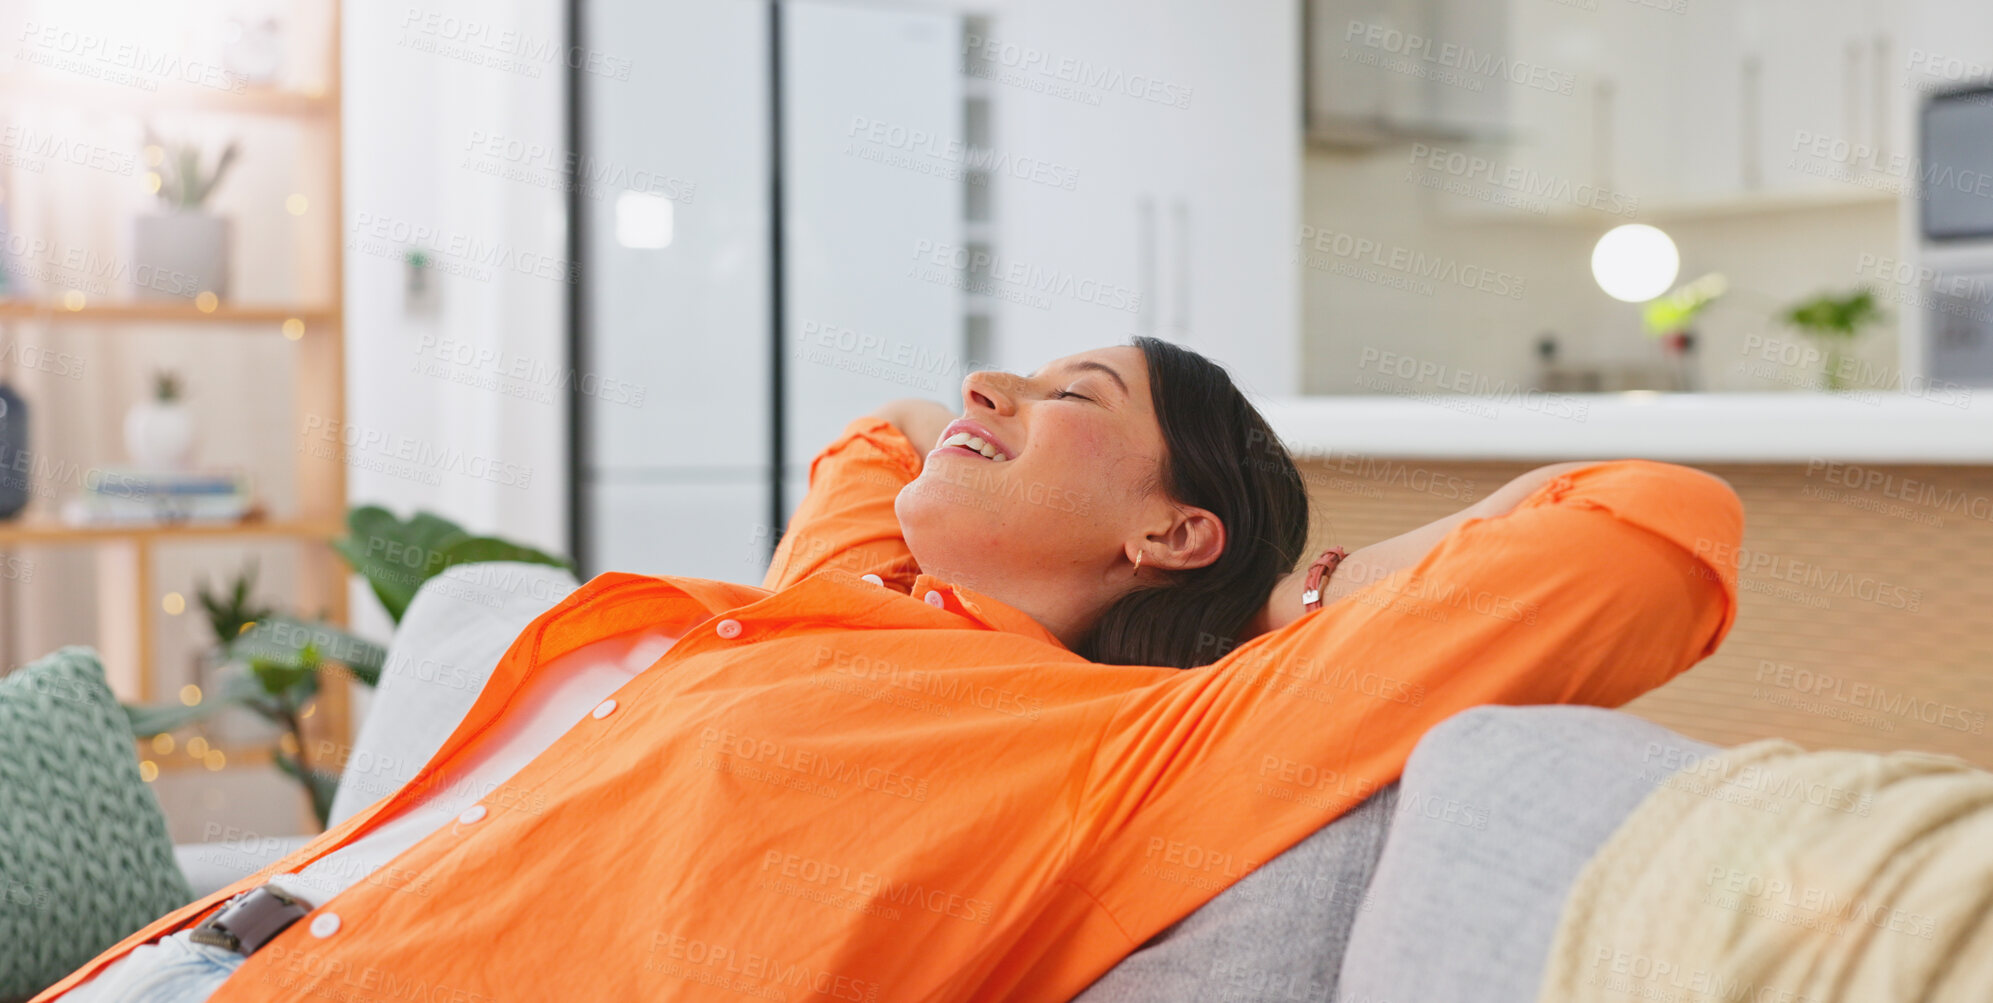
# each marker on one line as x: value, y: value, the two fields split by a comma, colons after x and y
x: 951, y: 751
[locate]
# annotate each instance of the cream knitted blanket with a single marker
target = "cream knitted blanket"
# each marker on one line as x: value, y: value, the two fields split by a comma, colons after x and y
x: 1768, y: 874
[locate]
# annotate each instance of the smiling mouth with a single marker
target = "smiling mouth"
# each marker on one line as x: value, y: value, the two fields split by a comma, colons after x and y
x: 974, y: 446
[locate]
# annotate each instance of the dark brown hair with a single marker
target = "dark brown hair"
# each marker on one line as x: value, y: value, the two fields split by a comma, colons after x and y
x: 1219, y: 454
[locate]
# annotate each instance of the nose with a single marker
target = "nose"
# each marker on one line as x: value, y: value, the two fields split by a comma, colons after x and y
x: 990, y: 389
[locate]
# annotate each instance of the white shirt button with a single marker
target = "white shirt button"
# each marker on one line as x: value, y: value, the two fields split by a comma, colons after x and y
x: 934, y: 598
x: 874, y: 579
x: 603, y: 709
x: 325, y: 924
x: 728, y: 628
x: 472, y: 814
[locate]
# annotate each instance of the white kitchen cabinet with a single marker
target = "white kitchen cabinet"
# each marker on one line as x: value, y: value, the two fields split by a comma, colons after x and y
x: 1815, y: 94
x: 1682, y: 107
x: 1360, y: 93
x: 877, y: 170
x: 1589, y: 95
x: 1174, y: 131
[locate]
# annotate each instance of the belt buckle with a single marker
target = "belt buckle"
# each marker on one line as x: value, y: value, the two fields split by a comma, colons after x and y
x: 250, y: 919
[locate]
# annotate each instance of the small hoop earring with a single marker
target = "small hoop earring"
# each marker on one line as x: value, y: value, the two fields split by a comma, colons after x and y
x: 1138, y: 560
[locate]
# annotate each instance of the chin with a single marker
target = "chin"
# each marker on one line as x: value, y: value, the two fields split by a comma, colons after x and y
x: 947, y: 525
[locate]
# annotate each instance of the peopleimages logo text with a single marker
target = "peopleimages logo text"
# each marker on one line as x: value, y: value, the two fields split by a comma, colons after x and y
x: 1454, y: 56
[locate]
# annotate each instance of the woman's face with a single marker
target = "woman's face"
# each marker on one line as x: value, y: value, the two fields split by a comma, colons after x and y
x: 1074, y: 497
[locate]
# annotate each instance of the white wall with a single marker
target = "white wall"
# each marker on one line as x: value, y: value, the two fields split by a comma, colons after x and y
x: 479, y: 377
x: 1771, y: 259
x: 1654, y: 119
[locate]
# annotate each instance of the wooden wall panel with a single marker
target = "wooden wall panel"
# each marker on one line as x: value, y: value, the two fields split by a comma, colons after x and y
x: 1866, y: 597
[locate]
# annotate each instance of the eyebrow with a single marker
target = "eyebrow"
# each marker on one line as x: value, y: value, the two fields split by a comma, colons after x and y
x: 1090, y: 364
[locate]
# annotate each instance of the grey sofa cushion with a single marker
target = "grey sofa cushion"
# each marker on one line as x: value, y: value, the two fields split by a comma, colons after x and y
x: 450, y: 639
x: 1499, y: 809
x: 1276, y: 934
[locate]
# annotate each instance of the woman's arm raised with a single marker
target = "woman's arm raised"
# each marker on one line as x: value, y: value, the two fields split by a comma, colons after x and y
x: 921, y: 421
x: 1377, y: 561
x: 846, y: 518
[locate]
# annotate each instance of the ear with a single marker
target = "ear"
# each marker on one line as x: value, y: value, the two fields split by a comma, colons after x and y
x: 1194, y: 538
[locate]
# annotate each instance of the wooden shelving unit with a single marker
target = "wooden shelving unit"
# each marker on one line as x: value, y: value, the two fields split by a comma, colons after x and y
x: 234, y: 314
x: 280, y: 103
x: 128, y: 600
x: 57, y: 533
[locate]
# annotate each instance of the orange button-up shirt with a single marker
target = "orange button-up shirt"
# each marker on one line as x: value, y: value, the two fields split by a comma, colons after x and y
x: 831, y: 788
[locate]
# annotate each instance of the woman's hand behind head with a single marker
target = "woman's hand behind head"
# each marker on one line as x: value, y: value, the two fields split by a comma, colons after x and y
x: 919, y: 420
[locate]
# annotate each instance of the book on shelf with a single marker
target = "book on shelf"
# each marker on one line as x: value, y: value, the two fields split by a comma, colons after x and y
x: 132, y: 497
x: 132, y: 482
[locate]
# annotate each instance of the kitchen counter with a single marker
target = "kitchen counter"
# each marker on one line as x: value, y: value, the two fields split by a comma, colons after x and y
x: 1868, y: 529
x: 1953, y: 425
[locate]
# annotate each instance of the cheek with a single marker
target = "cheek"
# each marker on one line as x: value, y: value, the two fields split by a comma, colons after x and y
x: 1083, y: 454
x: 1104, y: 468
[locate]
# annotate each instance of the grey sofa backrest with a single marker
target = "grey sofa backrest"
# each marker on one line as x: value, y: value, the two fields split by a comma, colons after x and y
x: 1499, y: 809
x: 449, y: 640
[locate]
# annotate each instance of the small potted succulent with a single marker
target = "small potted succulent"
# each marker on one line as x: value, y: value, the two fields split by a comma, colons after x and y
x: 181, y: 252
x: 273, y: 663
x: 159, y: 432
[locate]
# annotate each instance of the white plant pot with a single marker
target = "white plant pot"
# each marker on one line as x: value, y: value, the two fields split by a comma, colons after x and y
x: 159, y: 435
x: 179, y: 255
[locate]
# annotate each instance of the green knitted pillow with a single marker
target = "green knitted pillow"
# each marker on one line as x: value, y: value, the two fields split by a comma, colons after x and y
x: 84, y: 855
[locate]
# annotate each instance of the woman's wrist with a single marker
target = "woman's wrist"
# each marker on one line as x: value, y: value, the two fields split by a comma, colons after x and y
x: 1372, y: 563
x: 1284, y: 605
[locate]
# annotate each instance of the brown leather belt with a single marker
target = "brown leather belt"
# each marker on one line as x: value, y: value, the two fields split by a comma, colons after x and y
x: 248, y: 921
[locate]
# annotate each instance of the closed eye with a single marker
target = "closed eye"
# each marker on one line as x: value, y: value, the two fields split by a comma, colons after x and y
x: 1063, y: 394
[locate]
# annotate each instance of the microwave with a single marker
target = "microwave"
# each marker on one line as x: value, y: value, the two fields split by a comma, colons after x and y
x: 1955, y: 164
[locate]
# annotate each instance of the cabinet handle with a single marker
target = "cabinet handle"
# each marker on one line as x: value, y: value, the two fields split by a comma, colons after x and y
x: 1750, y: 110
x: 1851, y: 91
x: 1602, y: 137
x: 1879, y: 93
x: 1145, y: 265
x: 1180, y: 213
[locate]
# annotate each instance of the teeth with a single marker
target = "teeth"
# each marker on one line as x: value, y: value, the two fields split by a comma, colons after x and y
x: 976, y: 443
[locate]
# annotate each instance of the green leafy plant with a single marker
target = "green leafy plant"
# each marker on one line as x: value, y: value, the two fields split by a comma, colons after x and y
x: 397, y: 556
x: 280, y: 659
x: 1835, y: 322
x: 185, y: 182
x: 1676, y: 312
x: 166, y: 386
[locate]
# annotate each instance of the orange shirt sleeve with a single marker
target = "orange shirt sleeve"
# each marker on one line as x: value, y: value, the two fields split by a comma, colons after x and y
x: 1601, y: 585
x: 846, y: 519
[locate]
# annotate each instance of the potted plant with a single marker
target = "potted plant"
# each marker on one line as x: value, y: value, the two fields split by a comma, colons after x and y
x: 230, y: 613
x: 183, y: 251
x: 159, y: 431
x: 1835, y: 322
x: 1672, y: 319
x: 271, y: 663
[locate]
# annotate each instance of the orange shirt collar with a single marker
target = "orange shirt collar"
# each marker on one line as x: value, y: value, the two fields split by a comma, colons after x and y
x: 989, y: 611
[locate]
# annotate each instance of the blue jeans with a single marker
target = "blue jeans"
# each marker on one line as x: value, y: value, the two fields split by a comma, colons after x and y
x: 172, y: 969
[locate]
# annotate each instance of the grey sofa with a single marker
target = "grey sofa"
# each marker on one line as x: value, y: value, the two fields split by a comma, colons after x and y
x: 1445, y: 886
